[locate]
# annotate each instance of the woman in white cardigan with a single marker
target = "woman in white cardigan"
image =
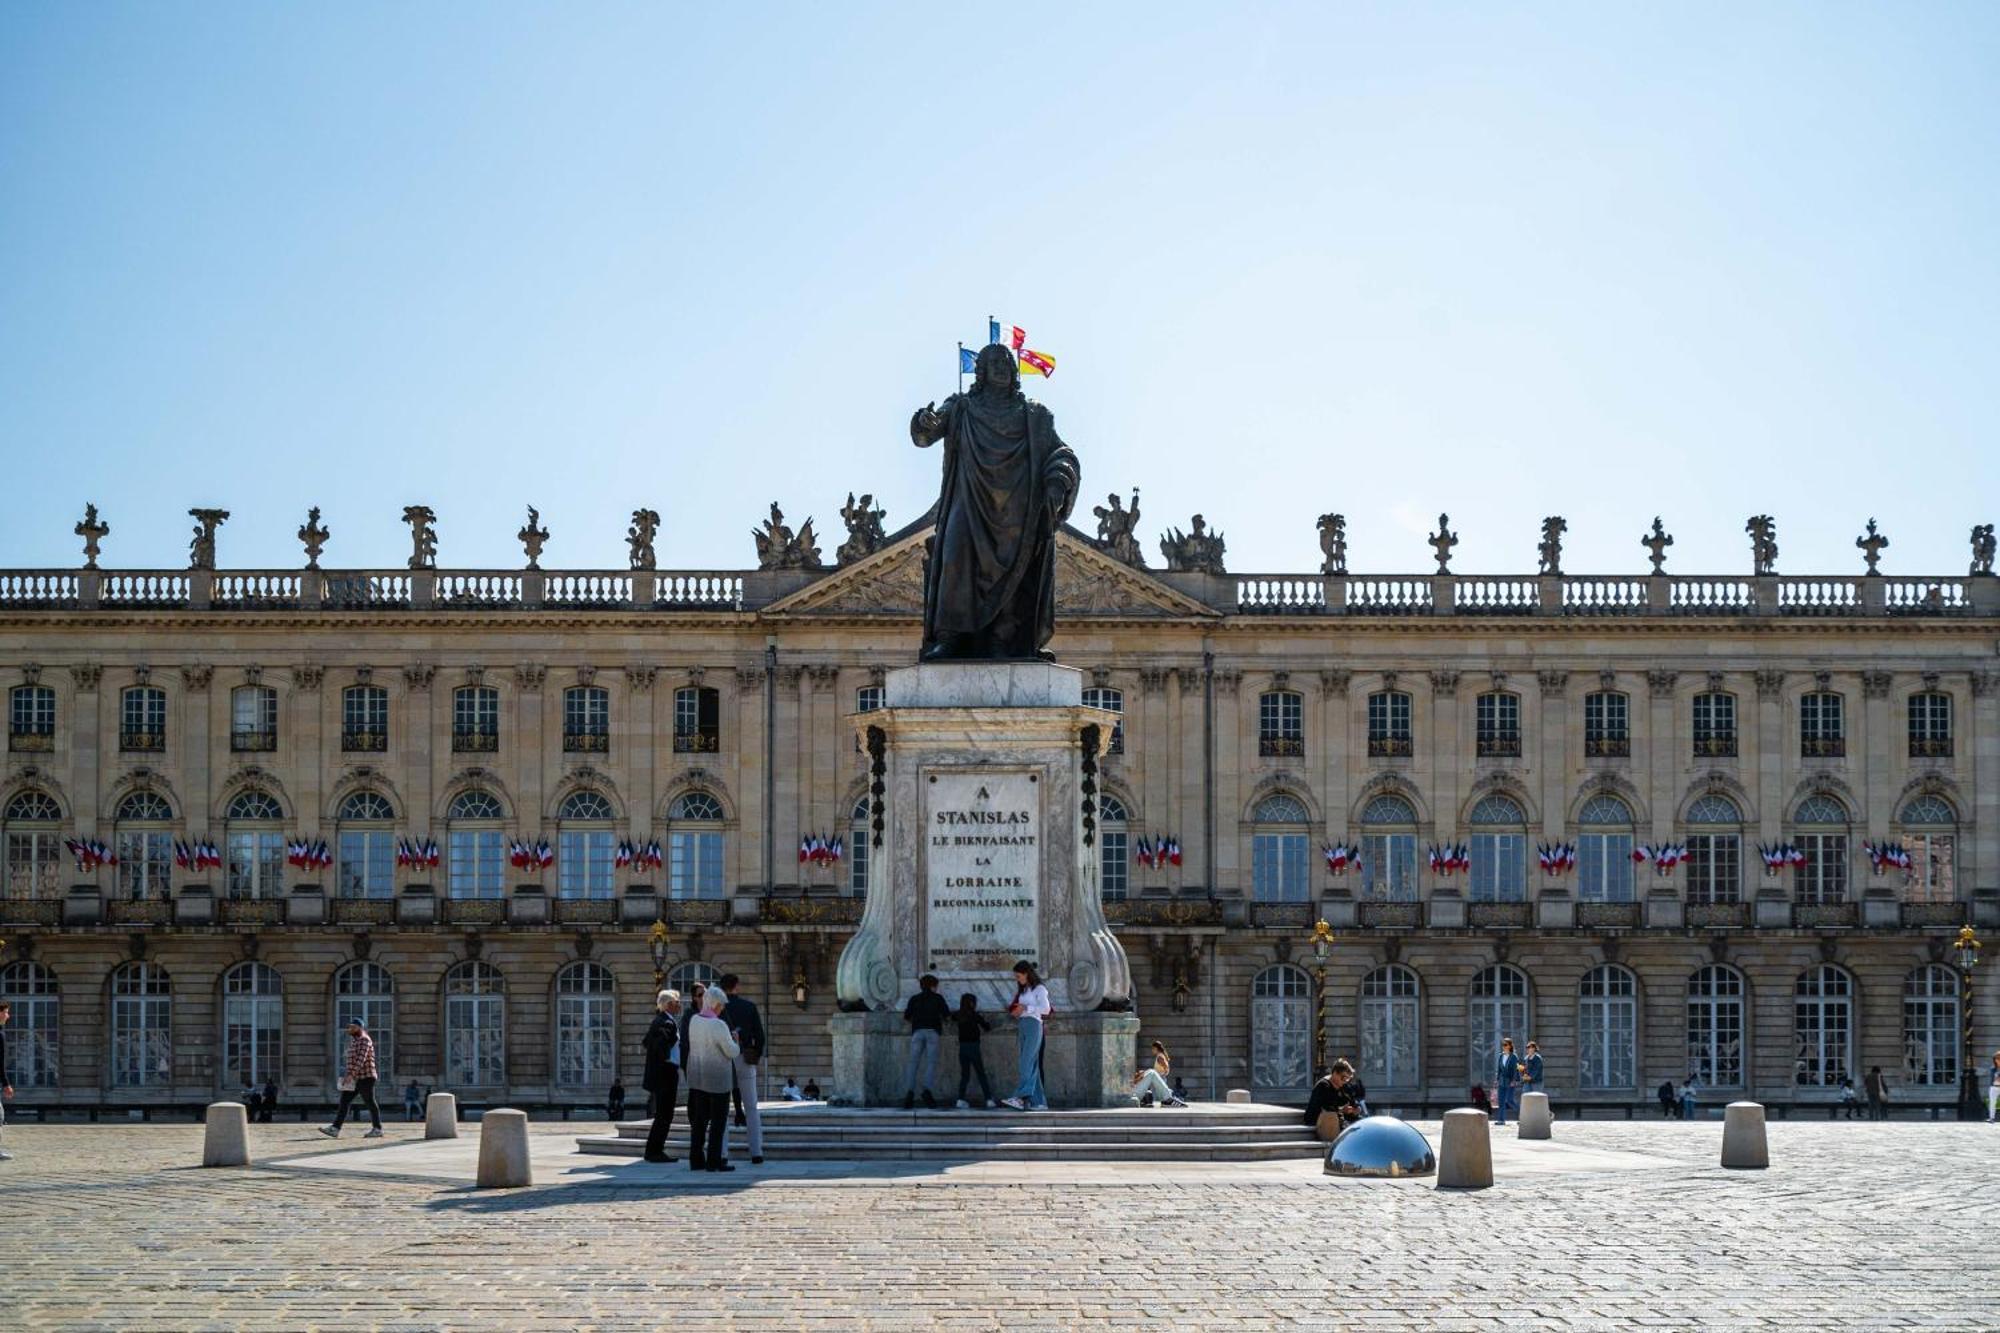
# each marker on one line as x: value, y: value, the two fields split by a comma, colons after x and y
x: 711, y: 1052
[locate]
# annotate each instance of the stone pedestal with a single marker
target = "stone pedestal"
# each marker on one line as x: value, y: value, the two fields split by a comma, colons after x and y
x: 1536, y: 1119
x: 1744, y: 1145
x: 984, y: 780
x: 441, y: 1116
x: 503, y: 1151
x: 225, y: 1139
x: 1465, y: 1151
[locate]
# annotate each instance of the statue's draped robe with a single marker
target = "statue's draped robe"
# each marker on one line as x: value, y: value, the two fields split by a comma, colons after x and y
x: 1009, y: 482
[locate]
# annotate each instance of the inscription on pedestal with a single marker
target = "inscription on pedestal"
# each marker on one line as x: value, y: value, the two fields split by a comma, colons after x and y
x: 983, y: 870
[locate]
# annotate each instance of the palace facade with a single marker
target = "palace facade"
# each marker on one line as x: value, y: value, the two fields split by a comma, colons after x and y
x: 490, y: 810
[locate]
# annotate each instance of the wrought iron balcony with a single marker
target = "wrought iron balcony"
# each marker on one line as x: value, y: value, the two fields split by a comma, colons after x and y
x: 1607, y: 747
x: 1933, y: 747
x: 1500, y: 745
x: 697, y: 742
x: 32, y: 740
x: 1389, y: 747
x: 1822, y: 747
x: 253, y: 740
x: 1719, y: 745
x: 143, y: 741
x: 475, y: 742
x: 586, y: 742
x: 1281, y: 747
x: 365, y: 742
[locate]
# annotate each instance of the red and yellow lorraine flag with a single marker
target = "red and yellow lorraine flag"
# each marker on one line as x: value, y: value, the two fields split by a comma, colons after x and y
x: 1039, y: 363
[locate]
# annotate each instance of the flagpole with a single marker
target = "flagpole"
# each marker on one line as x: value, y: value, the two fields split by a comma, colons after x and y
x: 961, y: 367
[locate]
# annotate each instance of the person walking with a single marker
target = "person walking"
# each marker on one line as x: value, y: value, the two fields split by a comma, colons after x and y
x: 7, y: 1078
x: 1849, y: 1102
x: 1531, y: 1069
x: 711, y: 1058
x: 268, y: 1107
x: 1878, y: 1094
x: 1992, y: 1086
x: 748, y: 1026
x: 1507, y: 1096
x: 1150, y: 1086
x: 925, y: 1013
x: 972, y: 1028
x: 359, y: 1081
x: 1667, y: 1099
x: 1031, y: 1008
x: 662, y: 1078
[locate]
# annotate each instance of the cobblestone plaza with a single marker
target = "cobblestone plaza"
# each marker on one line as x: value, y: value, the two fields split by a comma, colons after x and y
x: 1613, y: 1225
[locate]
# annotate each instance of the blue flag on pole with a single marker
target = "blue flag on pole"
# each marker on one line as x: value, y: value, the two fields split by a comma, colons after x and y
x: 968, y: 361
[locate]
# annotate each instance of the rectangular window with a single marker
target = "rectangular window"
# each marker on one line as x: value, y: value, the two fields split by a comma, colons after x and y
x: 367, y: 866
x: 478, y: 863
x: 1604, y: 868
x: 1389, y: 867
x: 256, y: 865
x: 1823, y: 878
x: 867, y: 699
x: 142, y: 723
x: 1821, y: 735
x: 1715, y: 726
x: 1112, y: 701
x: 694, y: 865
x: 1714, y: 868
x: 1280, y: 729
x: 1499, y: 868
x: 31, y: 724
x: 364, y: 719
x: 145, y: 864
x: 253, y: 718
x: 1389, y: 725
x: 34, y: 864
x: 1279, y: 872
x: 475, y: 719
x: 1499, y: 725
x: 697, y: 721
x: 584, y: 863
x: 1606, y: 725
x: 1114, y: 864
x: 1930, y: 726
x: 1932, y: 876
x: 586, y: 720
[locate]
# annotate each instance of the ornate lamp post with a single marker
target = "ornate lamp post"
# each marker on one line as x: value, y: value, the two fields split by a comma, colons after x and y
x: 1967, y: 949
x: 657, y: 942
x: 1322, y: 944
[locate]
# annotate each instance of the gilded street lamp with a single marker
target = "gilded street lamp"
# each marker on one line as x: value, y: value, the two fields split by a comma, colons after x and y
x: 1967, y: 948
x: 1322, y: 943
x: 657, y: 942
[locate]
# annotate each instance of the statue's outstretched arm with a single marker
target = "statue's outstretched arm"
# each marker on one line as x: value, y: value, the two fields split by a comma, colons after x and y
x: 927, y: 424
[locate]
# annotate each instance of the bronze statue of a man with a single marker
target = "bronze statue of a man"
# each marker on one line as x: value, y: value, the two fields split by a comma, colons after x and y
x: 1009, y: 482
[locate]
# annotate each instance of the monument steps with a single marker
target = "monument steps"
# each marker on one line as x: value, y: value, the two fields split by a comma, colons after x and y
x: 1200, y: 1133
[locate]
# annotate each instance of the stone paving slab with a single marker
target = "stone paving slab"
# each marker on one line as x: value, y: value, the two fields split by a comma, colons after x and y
x: 1612, y: 1226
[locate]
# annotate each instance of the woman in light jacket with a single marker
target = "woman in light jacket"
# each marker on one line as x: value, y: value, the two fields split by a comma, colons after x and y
x: 711, y: 1052
x: 1030, y: 1006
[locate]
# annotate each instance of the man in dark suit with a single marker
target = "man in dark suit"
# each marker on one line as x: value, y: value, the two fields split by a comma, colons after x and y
x: 663, y: 1071
x: 743, y: 1019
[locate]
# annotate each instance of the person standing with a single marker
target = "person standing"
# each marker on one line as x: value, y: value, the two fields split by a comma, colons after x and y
x: 748, y: 1026
x: 662, y: 1079
x: 1507, y: 1096
x: 268, y: 1107
x: 925, y: 1013
x: 711, y: 1055
x: 1689, y: 1091
x: 1878, y: 1094
x: 1531, y: 1069
x: 1667, y: 1099
x: 972, y: 1028
x: 1031, y: 1007
x: 359, y: 1081
x: 7, y: 1077
x: 413, y: 1102
x: 1992, y: 1086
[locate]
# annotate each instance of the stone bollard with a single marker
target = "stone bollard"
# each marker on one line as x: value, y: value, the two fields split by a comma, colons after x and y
x: 1743, y: 1142
x: 1465, y: 1154
x: 1535, y: 1116
x: 503, y: 1150
x: 1238, y: 1096
x: 226, y: 1140
x: 441, y: 1116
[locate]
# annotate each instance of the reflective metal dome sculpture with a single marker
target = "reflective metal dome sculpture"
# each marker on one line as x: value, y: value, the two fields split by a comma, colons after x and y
x: 1381, y: 1145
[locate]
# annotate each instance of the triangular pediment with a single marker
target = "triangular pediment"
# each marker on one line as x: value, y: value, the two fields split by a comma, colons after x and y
x: 1090, y: 585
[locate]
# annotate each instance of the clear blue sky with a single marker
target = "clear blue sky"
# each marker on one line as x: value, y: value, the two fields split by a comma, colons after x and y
x: 1502, y: 260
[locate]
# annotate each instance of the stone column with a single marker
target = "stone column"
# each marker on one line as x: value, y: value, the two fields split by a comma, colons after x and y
x: 307, y: 722
x: 1979, y: 858
x: 196, y: 743
x: 424, y: 754
x: 1875, y: 748
x: 1186, y: 784
x: 1770, y: 759
x: 639, y: 733
x: 1660, y: 745
x: 95, y: 719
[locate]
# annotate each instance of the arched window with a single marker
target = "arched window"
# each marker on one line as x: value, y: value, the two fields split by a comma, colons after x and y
x: 1715, y: 725
x: 1280, y: 729
x: 1604, y: 851
x: 1499, y: 848
x: 256, y: 845
x: 1496, y: 1008
x: 684, y: 977
x: 1823, y: 1022
x: 586, y: 1007
x: 475, y: 719
x: 364, y: 720
x: 586, y: 719
x: 860, y: 854
x: 1930, y: 832
x: 142, y: 720
x: 1279, y: 870
x: 145, y: 842
x: 365, y: 991
x: 1930, y: 1027
x: 253, y: 1026
x: 1822, y: 728
x: 584, y: 861
x: 367, y: 847
x: 1389, y: 725
x: 1715, y: 1026
x: 475, y: 1026
x: 142, y: 1051
x: 1497, y: 725
x: 1930, y: 725
x: 1114, y: 868
x: 34, y: 1034
x: 34, y: 845
x: 1281, y: 1014
x: 697, y: 720
x: 694, y: 846
x: 1389, y: 1033
x: 1389, y: 851
x: 1607, y: 726
x: 1111, y: 701
x: 31, y: 719
x: 1608, y: 1030
x: 1715, y: 850
x: 253, y: 718
x: 478, y: 864
x: 1822, y: 836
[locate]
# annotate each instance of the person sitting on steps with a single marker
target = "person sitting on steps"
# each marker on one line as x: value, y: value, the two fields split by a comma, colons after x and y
x: 1149, y: 1086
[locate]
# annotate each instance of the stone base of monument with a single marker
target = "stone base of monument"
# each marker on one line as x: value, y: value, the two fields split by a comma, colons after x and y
x: 1087, y: 1059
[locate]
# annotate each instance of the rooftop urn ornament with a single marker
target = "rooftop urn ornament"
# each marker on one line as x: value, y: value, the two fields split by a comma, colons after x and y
x: 1657, y: 542
x: 1007, y: 484
x: 1871, y: 544
x: 1333, y: 543
x: 1982, y: 548
x: 201, y: 547
x: 778, y: 547
x: 1763, y: 530
x: 1442, y: 541
x: 313, y: 537
x: 1196, y: 551
x: 93, y: 531
x: 1115, y: 535
x: 533, y: 537
x: 864, y: 529
x: 423, y: 536
x: 639, y: 537
x: 1551, y: 548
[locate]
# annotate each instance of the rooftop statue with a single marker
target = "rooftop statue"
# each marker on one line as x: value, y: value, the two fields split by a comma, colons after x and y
x: 423, y: 536
x: 1333, y: 543
x: 778, y: 547
x: 639, y: 537
x: 1009, y: 482
x: 1196, y: 551
x: 1114, y: 530
x: 864, y: 529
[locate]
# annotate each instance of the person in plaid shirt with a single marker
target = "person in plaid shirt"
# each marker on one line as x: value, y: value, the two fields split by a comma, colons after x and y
x: 359, y: 1081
